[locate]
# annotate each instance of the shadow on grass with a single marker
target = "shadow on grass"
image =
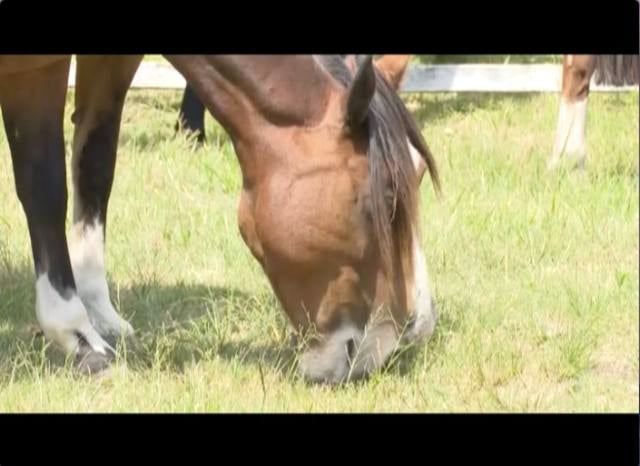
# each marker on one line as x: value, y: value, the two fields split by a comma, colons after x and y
x: 176, y: 326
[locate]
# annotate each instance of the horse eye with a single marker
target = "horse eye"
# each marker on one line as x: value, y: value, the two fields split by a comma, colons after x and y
x: 351, y: 348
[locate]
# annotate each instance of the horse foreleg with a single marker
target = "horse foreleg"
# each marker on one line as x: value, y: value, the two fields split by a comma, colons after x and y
x: 33, y: 107
x: 570, y: 133
x: 101, y: 88
x: 572, y: 116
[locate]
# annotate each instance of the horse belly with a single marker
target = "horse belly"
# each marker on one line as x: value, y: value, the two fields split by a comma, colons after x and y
x: 19, y: 63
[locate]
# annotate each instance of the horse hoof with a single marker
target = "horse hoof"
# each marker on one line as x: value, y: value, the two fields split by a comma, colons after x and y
x: 91, y: 362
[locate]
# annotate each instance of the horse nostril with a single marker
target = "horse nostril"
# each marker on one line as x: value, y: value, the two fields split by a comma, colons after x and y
x: 411, y: 321
x: 351, y: 348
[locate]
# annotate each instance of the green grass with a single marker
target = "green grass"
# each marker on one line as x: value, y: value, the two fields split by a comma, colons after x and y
x: 535, y: 275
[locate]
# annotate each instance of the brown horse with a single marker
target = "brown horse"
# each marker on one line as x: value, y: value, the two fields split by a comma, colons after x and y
x: 577, y: 71
x: 331, y: 163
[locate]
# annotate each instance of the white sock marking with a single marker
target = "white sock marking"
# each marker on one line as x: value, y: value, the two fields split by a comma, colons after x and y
x: 87, y: 259
x: 570, y: 133
x: 61, y: 318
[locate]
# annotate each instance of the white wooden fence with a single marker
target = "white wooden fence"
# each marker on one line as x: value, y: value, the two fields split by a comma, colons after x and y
x: 420, y: 78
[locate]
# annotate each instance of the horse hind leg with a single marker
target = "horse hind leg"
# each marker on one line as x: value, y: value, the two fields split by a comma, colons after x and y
x: 572, y: 116
x: 570, y: 137
x: 33, y: 106
x: 102, y: 84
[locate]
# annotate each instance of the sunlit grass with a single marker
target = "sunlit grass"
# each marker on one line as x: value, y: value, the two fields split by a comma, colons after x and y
x: 535, y: 275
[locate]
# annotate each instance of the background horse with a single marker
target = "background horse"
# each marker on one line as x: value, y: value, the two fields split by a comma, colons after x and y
x: 331, y: 163
x: 191, y: 115
x: 577, y: 71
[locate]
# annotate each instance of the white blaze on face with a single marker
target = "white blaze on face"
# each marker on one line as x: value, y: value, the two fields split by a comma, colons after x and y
x: 87, y: 259
x: 61, y: 319
x: 421, y: 300
x: 418, y: 162
x: 420, y: 297
x: 570, y: 133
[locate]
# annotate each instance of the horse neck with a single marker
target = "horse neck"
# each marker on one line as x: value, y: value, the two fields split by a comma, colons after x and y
x: 245, y: 93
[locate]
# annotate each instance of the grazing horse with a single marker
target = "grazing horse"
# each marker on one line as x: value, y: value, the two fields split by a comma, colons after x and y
x: 577, y: 71
x: 331, y: 163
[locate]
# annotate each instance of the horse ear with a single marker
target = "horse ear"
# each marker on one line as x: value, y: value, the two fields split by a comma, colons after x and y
x: 360, y: 94
x: 393, y: 68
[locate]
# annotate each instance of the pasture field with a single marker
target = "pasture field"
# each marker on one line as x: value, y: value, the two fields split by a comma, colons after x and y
x: 535, y: 275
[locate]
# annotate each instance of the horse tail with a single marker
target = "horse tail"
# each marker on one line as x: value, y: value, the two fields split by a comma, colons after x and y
x: 617, y: 70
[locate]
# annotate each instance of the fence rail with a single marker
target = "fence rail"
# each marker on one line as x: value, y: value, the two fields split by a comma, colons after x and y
x: 420, y: 78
